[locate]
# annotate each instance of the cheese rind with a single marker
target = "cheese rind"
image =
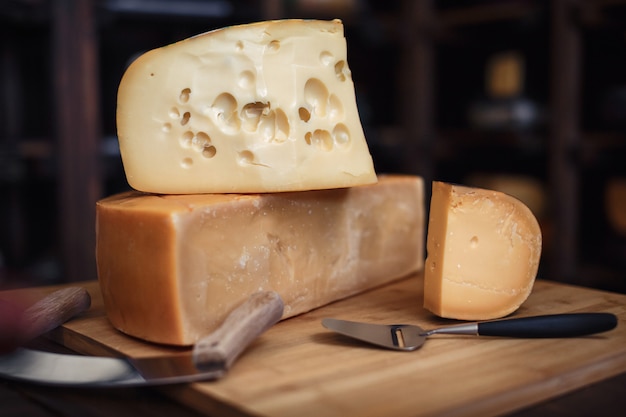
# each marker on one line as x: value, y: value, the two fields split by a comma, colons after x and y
x: 263, y: 107
x: 171, y: 267
x: 483, y: 252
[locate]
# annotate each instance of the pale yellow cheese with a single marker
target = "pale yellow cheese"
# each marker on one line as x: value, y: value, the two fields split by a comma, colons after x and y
x: 172, y: 266
x: 263, y: 107
x: 483, y: 251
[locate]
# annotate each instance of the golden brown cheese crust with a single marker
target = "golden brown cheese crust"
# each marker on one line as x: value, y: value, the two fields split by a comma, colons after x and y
x: 484, y: 249
x: 172, y: 267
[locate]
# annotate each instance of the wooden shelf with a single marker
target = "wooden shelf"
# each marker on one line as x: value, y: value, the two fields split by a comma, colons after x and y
x: 549, y: 31
x: 437, y: 50
x: 63, y: 100
x: 605, y: 150
x: 530, y: 142
x: 479, y: 14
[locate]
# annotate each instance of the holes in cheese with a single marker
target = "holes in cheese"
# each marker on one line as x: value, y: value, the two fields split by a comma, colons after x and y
x: 326, y: 58
x: 171, y: 267
x: 483, y: 251
x: 184, y: 95
x: 341, y: 71
x: 281, y: 91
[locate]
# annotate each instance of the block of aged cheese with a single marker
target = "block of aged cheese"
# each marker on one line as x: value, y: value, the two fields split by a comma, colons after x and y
x: 483, y: 251
x: 171, y: 267
x: 263, y: 107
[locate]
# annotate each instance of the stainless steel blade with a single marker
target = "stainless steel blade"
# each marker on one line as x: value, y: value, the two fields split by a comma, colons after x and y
x: 56, y: 369
x: 210, y: 358
x: 399, y: 336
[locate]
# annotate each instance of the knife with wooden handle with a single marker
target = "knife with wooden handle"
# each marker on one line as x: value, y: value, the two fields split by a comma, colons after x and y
x: 210, y: 358
x: 244, y: 324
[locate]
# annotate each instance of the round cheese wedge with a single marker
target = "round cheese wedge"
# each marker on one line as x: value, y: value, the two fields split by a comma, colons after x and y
x: 483, y: 250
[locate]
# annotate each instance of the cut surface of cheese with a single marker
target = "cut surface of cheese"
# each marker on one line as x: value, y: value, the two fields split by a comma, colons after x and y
x: 263, y: 107
x: 483, y: 253
x: 171, y: 267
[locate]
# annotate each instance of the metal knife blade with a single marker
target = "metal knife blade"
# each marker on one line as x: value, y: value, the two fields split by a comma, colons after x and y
x: 58, y: 369
x: 210, y: 358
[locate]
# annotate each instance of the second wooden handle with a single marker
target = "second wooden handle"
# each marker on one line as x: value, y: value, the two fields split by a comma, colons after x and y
x: 244, y: 324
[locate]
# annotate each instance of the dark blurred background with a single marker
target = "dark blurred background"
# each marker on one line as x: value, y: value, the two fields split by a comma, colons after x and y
x: 527, y: 97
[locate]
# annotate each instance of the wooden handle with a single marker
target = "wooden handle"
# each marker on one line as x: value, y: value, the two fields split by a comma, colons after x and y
x: 52, y: 311
x: 244, y: 324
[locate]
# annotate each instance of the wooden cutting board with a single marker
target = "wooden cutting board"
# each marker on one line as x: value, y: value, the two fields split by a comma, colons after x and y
x: 298, y: 368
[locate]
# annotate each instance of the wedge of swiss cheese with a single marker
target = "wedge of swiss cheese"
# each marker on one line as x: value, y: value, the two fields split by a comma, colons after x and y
x: 263, y: 107
x: 483, y: 252
x: 171, y: 267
